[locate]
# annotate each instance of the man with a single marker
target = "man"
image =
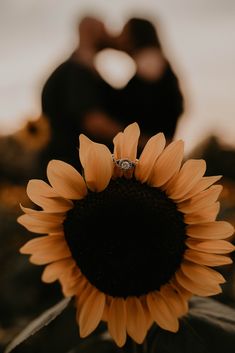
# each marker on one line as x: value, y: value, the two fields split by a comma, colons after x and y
x: 76, y: 99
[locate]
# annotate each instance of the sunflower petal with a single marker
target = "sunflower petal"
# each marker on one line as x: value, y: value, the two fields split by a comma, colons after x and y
x: 201, y: 274
x: 72, y: 288
x: 44, y: 216
x: 189, y: 175
x: 46, y: 249
x: 210, y: 246
x: 37, y: 188
x: 183, y: 292
x: 136, y: 320
x: 117, y: 321
x: 131, y: 136
x: 197, y: 288
x: 161, y: 312
x: 206, y: 259
x: 168, y: 164
x: 66, y: 180
x: 45, y: 196
x: 81, y: 298
x: 58, y: 253
x: 84, y: 144
x: 148, y: 157
x: 202, y: 185
x: 54, y: 270
x: 98, y: 165
x: 210, y: 230
x: 148, y: 317
x: 205, y: 215
x: 117, y: 153
x: 202, y: 200
x: 41, y: 244
x: 39, y: 226
x: 177, y: 303
x: 91, y: 312
x: 118, y: 145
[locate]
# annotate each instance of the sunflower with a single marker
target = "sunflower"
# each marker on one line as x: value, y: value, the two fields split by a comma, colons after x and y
x: 132, y: 240
x: 35, y: 135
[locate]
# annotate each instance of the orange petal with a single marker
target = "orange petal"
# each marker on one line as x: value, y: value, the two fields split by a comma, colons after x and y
x: 168, y: 164
x: 118, y: 148
x: 206, y: 259
x: 39, y: 226
x: 151, y: 152
x: 74, y: 287
x: 105, y: 312
x: 54, y: 270
x: 131, y: 136
x: 148, y: 317
x: 45, y: 196
x: 41, y: 244
x: 183, y: 292
x: 117, y: 321
x: 197, y: 288
x: 46, y: 258
x: 106, y: 308
x: 136, y: 320
x: 210, y: 230
x: 205, y: 215
x: 210, y: 246
x: 161, y: 312
x: 97, y: 164
x: 81, y: 298
x: 118, y: 145
x: 177, y: 303
x: 200, y: 201
x: 202, y: 185
x: 189, y: 175
x: 38, y: 187
x: 44, y: 216
x: 84, y: 144
x: 91, y: 312
x: 201, y: 274
x: 46, y: 249
x: 66, y: 180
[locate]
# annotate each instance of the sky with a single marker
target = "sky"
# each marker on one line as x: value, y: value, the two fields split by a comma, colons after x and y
x: 198, y: 38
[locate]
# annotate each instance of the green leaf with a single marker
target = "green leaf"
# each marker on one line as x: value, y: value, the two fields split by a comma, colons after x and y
x: 209, y: 327
x: 37, y: 324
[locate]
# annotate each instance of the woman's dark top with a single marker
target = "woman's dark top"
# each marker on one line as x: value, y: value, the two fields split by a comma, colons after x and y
x: 155, y: 105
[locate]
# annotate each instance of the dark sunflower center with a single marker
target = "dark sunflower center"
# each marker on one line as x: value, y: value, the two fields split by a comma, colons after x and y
x: 127, y: 240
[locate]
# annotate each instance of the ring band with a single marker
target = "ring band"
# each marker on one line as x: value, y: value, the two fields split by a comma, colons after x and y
x: 124, y: 163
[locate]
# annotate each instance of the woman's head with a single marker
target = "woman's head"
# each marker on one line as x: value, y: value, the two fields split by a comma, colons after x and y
x: 138, y: 34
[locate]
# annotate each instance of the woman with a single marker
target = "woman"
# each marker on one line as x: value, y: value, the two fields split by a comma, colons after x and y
x: 152, y: 97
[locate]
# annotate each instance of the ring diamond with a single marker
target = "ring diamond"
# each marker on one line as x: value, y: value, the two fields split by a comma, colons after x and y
x: 124, y: 163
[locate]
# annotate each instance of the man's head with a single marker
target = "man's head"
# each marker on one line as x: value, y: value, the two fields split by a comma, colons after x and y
x: 93, y: 34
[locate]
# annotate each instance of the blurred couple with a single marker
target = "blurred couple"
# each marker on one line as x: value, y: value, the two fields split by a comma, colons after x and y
x: 77, y: 100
